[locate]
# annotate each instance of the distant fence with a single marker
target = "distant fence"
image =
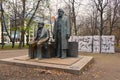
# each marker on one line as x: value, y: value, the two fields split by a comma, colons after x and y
x: 92, y: 43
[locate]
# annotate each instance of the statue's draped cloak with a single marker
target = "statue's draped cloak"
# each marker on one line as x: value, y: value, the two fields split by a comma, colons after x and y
x: 65, y: 30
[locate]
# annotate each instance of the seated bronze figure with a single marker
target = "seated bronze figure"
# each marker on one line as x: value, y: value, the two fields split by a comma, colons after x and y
x: 41, y: 39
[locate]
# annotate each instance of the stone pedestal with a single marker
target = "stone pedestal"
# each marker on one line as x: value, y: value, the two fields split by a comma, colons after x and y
x: 71, y: 64
x: 73, y: 49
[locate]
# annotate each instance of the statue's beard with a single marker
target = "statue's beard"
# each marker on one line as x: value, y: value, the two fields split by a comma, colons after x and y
x: 60, y: 16
x: 40, y: 28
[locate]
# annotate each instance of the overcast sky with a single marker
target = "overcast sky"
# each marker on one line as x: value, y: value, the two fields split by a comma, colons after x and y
x: 56, y: 4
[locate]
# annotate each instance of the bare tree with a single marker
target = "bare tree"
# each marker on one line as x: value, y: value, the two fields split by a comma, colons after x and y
x: 21, y: 12
x: 113, y: 14
x: 93, y: 15
x: 73, y: 13
x: 101, y: 5
x: 2, y: 13
x: 23, y: 27
x: 21, y: 44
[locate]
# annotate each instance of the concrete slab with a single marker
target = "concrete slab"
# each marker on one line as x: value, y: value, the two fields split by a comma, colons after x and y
x: 70, y: 64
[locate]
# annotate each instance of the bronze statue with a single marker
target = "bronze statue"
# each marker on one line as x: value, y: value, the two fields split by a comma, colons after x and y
x: 61, y: 34
x: 35, y: 46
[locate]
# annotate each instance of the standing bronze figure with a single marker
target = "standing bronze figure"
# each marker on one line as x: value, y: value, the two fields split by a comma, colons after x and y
x: 35, y: 46
x: 61, y: 34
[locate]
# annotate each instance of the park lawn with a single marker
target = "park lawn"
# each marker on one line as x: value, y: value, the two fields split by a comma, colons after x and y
x: 117, y: 46
x: 9, y: 47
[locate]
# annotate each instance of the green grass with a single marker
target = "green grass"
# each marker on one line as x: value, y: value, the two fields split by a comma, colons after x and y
x: 9, y: 47
x: 117, y: 46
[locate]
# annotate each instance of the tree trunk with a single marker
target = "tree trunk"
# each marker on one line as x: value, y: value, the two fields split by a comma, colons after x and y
x: 22, y: 42
x: 28, y: 24
x: 74, y: 16
x: 7, y: 30
x: 70, y: 18
x: 15, y: 26
x: 2, y: 11
x: 101, y: 28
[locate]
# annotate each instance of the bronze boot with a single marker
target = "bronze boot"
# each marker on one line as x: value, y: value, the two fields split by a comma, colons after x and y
x: 31, y: 52
x: 64, y: 54
x: 39, y: 52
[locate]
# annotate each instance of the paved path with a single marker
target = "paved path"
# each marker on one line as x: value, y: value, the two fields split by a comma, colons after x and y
x: 12, y: 53
x: 105, y: 67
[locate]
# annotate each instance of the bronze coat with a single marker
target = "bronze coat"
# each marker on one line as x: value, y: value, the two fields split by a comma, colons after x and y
x: 65, y: 30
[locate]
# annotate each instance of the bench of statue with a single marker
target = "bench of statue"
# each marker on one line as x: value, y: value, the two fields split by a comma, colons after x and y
x: 48, y: 50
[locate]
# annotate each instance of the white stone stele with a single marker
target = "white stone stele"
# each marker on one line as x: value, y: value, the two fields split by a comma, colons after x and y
x: 92, y: 43
x: 108, y: 44
x: 96, y: 44
x: 84, y: 43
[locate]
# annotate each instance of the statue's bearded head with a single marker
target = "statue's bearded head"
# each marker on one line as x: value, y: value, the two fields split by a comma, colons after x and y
x: 40, y: 25
x: 60, y: 12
